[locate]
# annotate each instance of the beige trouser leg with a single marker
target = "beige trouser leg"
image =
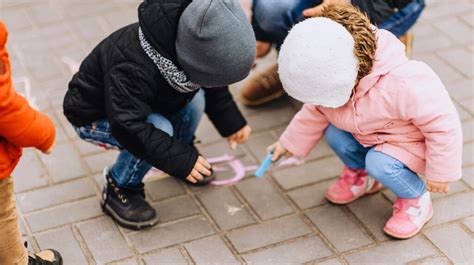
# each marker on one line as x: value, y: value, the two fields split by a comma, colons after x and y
x: 12, y: 250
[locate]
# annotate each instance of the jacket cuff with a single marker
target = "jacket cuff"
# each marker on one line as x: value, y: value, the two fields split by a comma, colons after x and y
x: 50, y: 139
x: 444, y: 178
x: 288, y: 145
x: 185, y: 170
x: 227, y: 126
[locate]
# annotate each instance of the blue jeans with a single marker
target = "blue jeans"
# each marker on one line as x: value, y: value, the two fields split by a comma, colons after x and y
x: 273, y: 19
x: 387, y: 170
x: 400, y: 22
x: 128, y: 170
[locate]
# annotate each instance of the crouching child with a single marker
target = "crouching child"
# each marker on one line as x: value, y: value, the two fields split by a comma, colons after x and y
x: 143, y: 91
x: 385, y: 116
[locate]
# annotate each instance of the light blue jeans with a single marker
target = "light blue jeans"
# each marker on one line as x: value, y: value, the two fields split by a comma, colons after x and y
x: 387, y: 170
x: 128, y: 170
x: 273, y: 19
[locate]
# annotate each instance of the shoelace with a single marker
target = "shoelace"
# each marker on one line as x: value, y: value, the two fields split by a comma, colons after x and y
x: 120, y: 194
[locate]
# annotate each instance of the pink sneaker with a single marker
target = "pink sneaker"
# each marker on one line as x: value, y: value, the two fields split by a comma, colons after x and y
x: 351, y: 185
x: 409, y: 216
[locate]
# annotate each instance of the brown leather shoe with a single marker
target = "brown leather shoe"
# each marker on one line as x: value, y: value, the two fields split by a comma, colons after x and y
x: 262, y: 88
x: 407, y: 39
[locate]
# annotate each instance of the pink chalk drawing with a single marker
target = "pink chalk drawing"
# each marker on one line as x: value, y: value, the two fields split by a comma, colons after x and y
x: 73, y: 64
x: 233, y: 164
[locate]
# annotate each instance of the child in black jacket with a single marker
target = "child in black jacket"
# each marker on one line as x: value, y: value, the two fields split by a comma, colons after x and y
x: 140, y: 91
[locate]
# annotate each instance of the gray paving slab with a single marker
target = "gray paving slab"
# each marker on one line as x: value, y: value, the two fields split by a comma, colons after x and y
x: 260, y: 235
x: 211, y: 250
x: 459, y: 249
x: 97, y: 231
x: 171, y: 234
x: 64, y: 241
x: 297, y: 252
x: 167, y: 256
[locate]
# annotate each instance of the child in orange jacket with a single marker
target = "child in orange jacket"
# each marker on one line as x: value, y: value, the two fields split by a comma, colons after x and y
x: 20, y: 126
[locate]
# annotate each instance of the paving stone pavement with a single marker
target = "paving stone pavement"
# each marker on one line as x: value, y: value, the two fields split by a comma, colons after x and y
x: 282, y: 219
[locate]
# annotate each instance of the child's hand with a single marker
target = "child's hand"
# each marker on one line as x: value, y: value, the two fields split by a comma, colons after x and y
x: 278, y: 151
x: 239, y: 137
x: 201, y: 168
x: 314, y: 11
x: 50, y: 150
x: 440, y: 187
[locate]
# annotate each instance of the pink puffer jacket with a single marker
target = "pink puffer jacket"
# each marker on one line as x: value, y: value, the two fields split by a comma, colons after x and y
x: 401, y: 107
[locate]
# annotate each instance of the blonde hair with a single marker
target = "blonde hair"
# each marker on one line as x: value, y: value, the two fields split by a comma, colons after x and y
x: 358, y: 24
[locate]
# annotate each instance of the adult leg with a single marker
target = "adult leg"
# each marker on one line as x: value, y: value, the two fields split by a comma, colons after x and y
x: 271, y: 22
x: 400, y: 22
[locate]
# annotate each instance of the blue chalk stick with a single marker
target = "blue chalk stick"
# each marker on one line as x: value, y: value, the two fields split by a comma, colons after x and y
x: 267, y: 162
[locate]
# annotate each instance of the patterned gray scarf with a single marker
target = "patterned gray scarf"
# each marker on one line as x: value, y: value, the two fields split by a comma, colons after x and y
x: 176, y: 78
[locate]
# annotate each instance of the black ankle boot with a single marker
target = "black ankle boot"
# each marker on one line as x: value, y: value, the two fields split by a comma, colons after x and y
x: 127, y: 206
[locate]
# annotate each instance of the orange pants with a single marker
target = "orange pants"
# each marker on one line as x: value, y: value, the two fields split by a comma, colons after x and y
x: 12, y: 250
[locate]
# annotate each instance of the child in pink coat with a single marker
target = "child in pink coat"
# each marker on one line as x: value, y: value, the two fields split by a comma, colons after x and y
x: 383, y: 115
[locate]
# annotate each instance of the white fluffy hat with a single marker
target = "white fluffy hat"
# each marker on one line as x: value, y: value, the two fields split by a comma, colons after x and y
x: 317, y: 64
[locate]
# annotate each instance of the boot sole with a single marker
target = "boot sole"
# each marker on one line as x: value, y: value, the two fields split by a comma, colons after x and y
x: 368, y: 193
x: 128, y: 224
x: 398, y: 236
x: 255, y: 103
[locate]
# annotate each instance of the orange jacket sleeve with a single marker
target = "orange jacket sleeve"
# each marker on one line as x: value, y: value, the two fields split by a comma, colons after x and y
x: 20, y: 124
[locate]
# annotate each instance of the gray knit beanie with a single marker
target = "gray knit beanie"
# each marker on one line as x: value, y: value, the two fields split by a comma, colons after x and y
x: 215, y: 42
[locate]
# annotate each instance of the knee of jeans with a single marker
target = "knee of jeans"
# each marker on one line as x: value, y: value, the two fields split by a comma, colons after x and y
x: 377, y: 166
x: 331, y: 135
x: 270, y: 13
x: 335, y: 139
x: 161, y: 123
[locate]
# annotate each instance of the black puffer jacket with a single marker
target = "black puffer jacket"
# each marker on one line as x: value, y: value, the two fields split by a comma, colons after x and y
x: 119, y: 82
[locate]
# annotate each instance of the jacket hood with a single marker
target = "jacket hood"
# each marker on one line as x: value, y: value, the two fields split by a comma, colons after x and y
x: 390, y: 54
x: 159, y: 20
